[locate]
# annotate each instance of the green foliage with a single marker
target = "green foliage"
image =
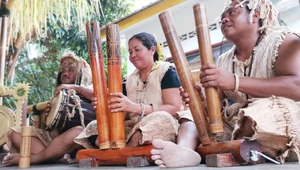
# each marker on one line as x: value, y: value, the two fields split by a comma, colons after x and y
x: 40, y: 72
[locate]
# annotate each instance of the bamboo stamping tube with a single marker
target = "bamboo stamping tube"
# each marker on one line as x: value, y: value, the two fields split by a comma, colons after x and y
x: 212, y: 96
x: 25, y: 147
x: 117, y: 127
x: 186, y: 79
x: 99, y: 83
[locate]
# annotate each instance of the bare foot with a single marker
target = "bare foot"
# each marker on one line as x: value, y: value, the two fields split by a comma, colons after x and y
x: 168, y: 154
x: 66, y: 159
x: 11, y: 159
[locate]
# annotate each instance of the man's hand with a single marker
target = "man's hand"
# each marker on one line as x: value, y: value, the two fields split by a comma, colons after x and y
x: 67, y: 87
x: 213, y: 76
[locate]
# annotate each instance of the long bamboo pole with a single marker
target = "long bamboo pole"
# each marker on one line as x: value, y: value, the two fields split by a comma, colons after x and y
x: 99, y: 83
x: 206, y: 55
x: 180, y: 61
x: 3, y: 41
x: 117, y: 127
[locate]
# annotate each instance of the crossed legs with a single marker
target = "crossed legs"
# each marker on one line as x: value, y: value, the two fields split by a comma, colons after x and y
x: 56, y: 149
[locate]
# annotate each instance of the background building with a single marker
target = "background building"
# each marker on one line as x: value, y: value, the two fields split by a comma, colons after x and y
x: 147, y: 20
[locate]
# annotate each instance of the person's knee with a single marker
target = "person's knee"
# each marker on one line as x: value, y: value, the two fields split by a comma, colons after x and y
x: 76, y: 130
x: 15, y: 137
x: 72, y: 133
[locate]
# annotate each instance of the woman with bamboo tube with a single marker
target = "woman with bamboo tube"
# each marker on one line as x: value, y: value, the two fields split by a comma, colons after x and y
x: 151, y: 99
x: 262, y: 64
x: 53, y: 145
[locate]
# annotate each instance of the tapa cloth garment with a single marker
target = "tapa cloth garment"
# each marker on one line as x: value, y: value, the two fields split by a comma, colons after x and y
x: 276, y: 125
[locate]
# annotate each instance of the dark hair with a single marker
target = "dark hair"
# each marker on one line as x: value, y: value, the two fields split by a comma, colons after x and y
x: 58, y: 79
x: 148, y: 41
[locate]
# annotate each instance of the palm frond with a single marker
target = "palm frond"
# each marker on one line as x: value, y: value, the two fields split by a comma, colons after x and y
x: 30, y: 16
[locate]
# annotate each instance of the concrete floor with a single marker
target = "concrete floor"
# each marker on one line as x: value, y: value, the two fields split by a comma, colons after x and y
x: 265, y: 166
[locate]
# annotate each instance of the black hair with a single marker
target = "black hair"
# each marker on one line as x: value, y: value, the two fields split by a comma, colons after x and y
x: 58, y: 79
x: 148, y: 41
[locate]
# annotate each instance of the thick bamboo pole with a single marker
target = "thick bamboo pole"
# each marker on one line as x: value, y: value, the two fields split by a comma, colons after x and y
x: 180, y: 61
x: 206, y: 55
x: 0, y: 26
x: 117, y: 127
x: 99, y: 83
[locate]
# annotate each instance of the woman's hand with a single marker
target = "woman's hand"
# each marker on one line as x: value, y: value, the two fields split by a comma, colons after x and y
x: 213, y: 76
x: 185, y: 96
x: 120, y: 103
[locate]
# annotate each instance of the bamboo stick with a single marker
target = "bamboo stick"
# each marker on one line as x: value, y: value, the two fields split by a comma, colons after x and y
x: 180, y: 61
x: 117, y: 131
x: 212, y: 96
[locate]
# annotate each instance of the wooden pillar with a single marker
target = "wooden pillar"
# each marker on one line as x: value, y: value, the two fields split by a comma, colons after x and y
x: 3, y: 41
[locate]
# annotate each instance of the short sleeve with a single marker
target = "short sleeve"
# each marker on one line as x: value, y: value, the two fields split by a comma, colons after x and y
x: 170, y: 79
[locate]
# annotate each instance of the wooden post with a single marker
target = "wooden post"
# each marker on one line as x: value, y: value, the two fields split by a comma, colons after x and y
x: 117, y: 157
x: 3, y: 43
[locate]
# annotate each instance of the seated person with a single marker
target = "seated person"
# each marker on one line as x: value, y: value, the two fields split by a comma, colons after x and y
x: 51, y: 145
x: 263, y: 62
x: 151, y: 101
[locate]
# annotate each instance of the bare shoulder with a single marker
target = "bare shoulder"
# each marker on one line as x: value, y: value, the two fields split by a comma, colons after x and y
x: 290, y: 42
x: 288, y: 59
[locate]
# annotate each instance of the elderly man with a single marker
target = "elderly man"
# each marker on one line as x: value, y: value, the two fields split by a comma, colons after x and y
x: 263, y: 64
x: 51, y: 146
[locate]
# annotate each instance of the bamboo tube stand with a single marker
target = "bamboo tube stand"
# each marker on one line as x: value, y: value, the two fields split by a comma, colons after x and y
x: 117, y: 153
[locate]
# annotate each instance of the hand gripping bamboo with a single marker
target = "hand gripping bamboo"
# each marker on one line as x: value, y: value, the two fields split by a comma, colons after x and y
x: 99, y: 83
x: 117, y: 127
x: 212, y: 96
x: 186, y: 79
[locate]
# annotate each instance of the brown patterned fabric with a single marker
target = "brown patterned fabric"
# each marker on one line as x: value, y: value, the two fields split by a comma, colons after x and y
x: 276, y: 126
